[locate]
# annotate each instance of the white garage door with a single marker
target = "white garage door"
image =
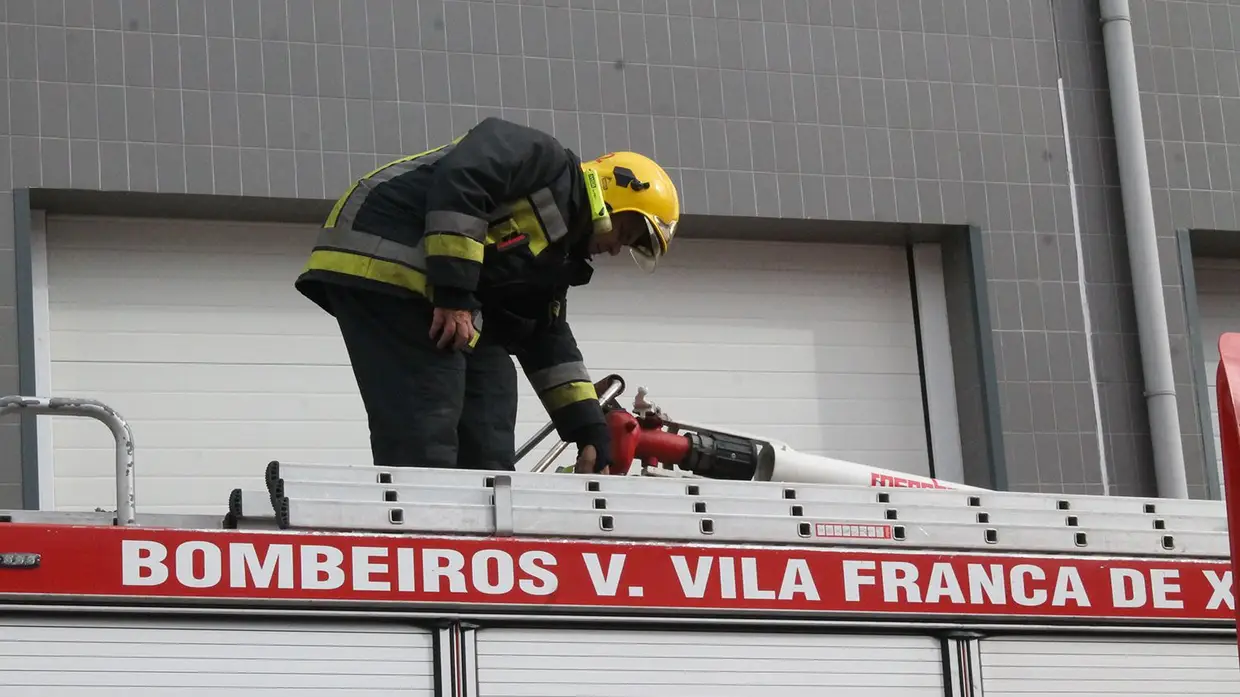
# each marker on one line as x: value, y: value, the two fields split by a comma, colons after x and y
x: 1133, y: 667
x: 1218, y: 305
x: 193, y: 331
x: 623, y: 663
x: 83, y: 657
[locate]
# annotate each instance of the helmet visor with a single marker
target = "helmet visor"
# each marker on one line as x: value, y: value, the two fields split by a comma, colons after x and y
x: 649, y: 248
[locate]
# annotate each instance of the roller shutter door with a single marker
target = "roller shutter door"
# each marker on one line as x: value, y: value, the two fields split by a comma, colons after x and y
x: 1218, y: 305
x: 1174, y: 667
x: 194, y: 332
x: 84, y: 657
x: 630, y: 663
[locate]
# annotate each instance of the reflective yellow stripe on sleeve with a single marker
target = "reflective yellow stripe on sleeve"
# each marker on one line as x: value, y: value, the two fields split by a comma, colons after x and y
x: 455, y: 246
x: 549, y: 378
x: 566, y: 394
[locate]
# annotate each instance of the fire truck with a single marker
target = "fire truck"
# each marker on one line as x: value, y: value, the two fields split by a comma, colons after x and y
x: 704, y: 564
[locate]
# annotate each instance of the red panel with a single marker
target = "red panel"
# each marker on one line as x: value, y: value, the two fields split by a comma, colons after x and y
x: 411, y: 571
x: 1227, y: 385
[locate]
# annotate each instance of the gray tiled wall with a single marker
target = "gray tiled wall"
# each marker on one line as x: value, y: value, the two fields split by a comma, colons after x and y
x: 932, y: 111
x: 1186, y: 60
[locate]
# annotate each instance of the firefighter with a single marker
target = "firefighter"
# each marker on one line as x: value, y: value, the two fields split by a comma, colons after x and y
x: 440, y: 266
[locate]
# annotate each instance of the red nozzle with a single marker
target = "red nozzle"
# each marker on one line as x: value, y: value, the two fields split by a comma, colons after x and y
x: 625, y: 435
x: 631, y: 440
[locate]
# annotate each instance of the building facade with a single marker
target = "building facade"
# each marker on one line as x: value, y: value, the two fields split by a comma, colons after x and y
x: 882, y: 253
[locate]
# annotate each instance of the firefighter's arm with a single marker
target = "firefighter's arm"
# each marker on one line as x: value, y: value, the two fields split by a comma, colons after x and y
x: 495, y: 162
x: 554, y: 366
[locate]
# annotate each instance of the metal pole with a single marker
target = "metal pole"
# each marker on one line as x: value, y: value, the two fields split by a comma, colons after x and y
x: 534, y: 440
x: 1147, y: 284
x: 615, y: 387
x: 121, y: 433
x: 550, y: 457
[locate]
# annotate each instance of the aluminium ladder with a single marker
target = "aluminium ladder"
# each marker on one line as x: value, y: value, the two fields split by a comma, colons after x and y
x: 640, y: 508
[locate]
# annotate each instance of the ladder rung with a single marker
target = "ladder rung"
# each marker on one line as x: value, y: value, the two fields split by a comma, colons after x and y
x: 382, y: 493
x: 317, y: 514
x: 375, y: 475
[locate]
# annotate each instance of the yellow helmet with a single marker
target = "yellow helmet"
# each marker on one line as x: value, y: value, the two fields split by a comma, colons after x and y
x: 627, y: 181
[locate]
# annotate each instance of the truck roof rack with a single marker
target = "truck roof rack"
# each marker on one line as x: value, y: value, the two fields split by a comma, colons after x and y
x: 345, y: 498
x: 439, y: 501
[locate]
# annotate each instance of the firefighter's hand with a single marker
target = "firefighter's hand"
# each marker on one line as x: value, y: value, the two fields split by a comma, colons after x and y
x: 452, y: 328
x: 586, y: 460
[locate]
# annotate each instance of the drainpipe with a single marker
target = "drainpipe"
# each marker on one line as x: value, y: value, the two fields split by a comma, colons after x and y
x: 1147, y: 284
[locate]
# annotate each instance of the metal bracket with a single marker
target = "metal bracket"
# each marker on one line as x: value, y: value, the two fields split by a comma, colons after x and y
x: 502, y: 498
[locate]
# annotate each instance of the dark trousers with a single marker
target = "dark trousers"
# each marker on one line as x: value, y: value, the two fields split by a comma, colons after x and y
x: 426, y: 407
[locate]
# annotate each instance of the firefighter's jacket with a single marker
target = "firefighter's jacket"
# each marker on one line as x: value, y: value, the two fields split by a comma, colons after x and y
x: 496, y: 222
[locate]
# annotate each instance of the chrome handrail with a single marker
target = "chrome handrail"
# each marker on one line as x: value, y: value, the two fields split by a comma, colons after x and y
x: 121, y: 433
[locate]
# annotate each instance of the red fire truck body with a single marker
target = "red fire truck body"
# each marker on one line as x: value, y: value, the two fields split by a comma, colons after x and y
x: 339, y: 580
x: 94, y: 609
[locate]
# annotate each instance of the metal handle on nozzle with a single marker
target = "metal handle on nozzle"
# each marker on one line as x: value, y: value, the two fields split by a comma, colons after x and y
x: 608, y: 388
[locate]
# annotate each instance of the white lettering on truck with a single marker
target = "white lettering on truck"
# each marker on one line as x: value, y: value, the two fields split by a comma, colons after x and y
x: 796, y: 579
x: 243, y: 558
x: 199, y: 564
x: 1022, y: 584
x: 1220, y: 590
x: 1131, y: 588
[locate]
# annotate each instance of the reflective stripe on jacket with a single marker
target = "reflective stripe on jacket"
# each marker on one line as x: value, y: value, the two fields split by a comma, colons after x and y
x: 500, y: 212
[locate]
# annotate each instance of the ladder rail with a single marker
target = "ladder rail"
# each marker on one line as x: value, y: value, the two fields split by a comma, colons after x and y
x: 122, y: 434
